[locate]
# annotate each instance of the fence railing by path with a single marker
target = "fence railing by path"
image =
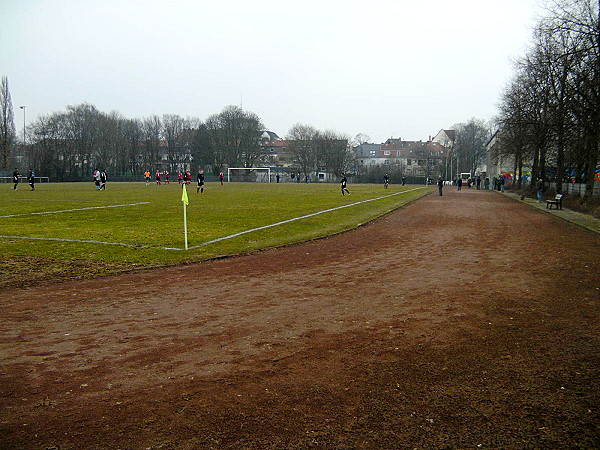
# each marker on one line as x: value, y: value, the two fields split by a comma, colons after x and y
x: 577, y: 189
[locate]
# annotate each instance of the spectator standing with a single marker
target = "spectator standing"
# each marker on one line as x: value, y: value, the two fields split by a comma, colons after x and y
x: 540, y: 190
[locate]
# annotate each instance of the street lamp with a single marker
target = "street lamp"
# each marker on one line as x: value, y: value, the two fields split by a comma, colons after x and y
x: 24, y: 137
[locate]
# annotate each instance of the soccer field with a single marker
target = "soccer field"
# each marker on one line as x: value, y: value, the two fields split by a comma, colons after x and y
x: 134, y: 223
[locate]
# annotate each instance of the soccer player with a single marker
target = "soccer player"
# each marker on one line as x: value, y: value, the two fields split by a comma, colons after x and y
x: 344, y: 182
x: 158, y: 177
x: 200, y: 178
x: 221, y: 176
x: 103, y: 179
x: 147, y: 176
x: 386, y: 181
x: 97, y: 178
x: 180, y: 177
x: 31, y: 179
x: 167, y: 175
x: 16, y: 178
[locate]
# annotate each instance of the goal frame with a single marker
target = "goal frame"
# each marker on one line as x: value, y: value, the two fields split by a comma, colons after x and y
x: 267, y: 169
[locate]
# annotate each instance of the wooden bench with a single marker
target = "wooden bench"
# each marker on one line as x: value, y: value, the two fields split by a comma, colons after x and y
x: 555, y: 201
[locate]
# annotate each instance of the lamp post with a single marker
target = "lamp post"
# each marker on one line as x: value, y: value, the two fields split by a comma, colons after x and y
x: 24, y: 136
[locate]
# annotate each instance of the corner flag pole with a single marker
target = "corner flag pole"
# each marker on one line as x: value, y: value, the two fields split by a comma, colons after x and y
x: 184, y: 199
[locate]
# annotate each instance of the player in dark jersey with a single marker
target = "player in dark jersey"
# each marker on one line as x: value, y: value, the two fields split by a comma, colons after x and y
x: 344, y: 183
x: 31, y: 179
x: 16, y: 175
x: 200, y: 178
x: 386, y: 181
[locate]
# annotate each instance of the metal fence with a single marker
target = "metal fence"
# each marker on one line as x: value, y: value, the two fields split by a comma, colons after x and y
x: 577, y: 189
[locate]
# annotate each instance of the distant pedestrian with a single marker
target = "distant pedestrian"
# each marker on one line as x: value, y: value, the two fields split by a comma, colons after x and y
x: 31, y: 179
x: 478, y: 182
x: 344, y: 183
x: 459, y: 183
x: 486, y: 183
x: 15, y: 178
x: 502, y: 181
x: 200, y: 179
x: 276, y: 177
x: 440, y: 184
x: 540, y: 190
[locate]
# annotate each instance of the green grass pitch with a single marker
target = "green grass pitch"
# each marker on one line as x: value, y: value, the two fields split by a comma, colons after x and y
x: 153, y: 226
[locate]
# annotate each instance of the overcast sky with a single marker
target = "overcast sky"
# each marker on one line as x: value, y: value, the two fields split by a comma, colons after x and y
x: 383, y: 68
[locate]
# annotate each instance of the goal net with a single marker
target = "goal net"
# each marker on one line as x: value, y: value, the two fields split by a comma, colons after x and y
x: 249, y: 174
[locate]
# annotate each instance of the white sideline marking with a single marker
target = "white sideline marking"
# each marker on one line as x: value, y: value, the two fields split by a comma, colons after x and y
x: 298, y: 218
x: 76, y: 209
x: 86, y: 242
x: 204, y: 243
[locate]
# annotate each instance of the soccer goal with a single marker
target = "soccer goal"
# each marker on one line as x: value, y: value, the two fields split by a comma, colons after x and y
x: 249, y: 174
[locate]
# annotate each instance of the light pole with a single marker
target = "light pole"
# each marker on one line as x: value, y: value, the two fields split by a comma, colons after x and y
x: 24, y: 136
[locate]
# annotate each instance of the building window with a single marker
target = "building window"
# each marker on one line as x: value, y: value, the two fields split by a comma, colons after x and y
x: 386, y: 152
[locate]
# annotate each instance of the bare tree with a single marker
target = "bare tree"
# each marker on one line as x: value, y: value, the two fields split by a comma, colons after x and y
x: 302, y: 146
x: 551, y: 110
x: 235, y: 136
x: 360, y: 138
x: 7, y: 123
x: 333, y: 152
x: 471, y: 138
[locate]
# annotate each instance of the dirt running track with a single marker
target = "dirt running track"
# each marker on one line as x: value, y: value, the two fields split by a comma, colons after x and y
x: 463, y: 321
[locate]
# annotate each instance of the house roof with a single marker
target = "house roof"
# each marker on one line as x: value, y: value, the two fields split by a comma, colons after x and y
x: 269, y: 135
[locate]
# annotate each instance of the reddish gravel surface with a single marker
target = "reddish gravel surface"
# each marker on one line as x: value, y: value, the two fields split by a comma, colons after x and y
x: 463, y: 321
